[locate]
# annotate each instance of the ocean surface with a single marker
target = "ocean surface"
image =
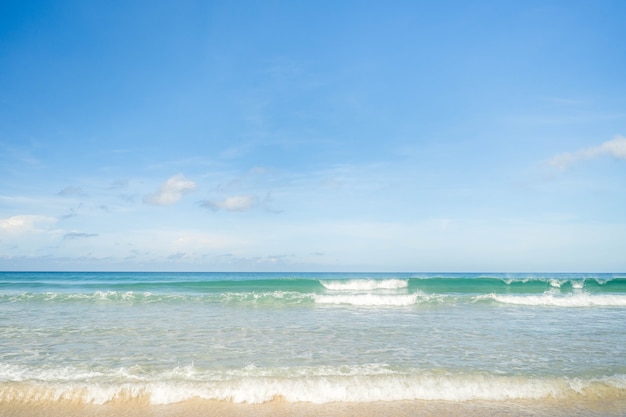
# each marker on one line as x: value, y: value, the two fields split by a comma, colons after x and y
x: 159, y: 339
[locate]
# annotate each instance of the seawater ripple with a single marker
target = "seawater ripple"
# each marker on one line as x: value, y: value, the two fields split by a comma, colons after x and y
x: 281, y: 298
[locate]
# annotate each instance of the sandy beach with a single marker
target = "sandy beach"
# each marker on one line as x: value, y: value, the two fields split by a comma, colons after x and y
x: 278, y: 408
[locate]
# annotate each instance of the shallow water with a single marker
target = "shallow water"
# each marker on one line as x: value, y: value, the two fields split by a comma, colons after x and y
x: 169, y: 341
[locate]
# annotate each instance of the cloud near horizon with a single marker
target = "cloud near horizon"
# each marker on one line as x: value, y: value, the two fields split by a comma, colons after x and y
x: 171, y: 191
x: 25, y: 223
x: 615, y: 148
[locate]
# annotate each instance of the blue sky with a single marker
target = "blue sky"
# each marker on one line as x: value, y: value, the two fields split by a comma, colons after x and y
x: 313, y: 136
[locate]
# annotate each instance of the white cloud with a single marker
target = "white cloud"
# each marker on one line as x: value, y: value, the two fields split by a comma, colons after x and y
x: 615, y: 148
x: 25, y: 223
x: 234, y: 203
x: 171, y: 191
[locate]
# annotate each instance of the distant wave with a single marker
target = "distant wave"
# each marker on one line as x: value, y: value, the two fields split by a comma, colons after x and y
x: 365, y: 284
x: 486, y: 285
x: 372, y: 298
x: 134, y: 297
x: 547, y: 290
x: 313, y: 283
x: 572, y: 300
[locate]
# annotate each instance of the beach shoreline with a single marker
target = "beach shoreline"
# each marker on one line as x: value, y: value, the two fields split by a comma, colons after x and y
x: 281, y: 408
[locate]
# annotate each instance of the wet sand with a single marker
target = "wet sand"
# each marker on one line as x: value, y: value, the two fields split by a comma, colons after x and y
x: 278, y: 408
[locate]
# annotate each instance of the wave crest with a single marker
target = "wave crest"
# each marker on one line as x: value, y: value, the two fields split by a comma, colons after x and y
x: 549, y: 299
x: 365, y: 284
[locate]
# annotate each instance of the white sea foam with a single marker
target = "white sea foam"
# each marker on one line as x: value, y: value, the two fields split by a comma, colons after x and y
x: 320, y: 389
x: 97, y: 296
x: 15, y: 373
x: 555, y: 283
x: 188, y: 373
x: 578, y: 285
x: 365, y: 284
x: 252, y: 384
x: 266, y: 297
x: 372, y: 300
x: 570, y: 300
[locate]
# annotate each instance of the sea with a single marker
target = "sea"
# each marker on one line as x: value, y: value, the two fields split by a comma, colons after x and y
x: 318, y: 344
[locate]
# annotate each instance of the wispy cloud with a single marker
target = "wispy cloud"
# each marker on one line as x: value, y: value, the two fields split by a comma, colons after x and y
x: 71, y: 213
x: 176, y: 256
x: 78, y: 235
x: 171, y: 191
x: 233, y: 203
x: 118, y: 184
x: 615, y: 148
x: 72, y: 191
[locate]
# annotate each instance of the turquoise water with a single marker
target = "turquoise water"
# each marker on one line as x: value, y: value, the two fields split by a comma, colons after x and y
x: 245, y: 337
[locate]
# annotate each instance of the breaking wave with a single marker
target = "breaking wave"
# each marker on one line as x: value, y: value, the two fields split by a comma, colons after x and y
x: 315, y: 385
x: 549, y: 299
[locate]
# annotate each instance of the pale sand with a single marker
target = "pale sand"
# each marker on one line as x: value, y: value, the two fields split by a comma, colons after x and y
x: 203, y: 408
